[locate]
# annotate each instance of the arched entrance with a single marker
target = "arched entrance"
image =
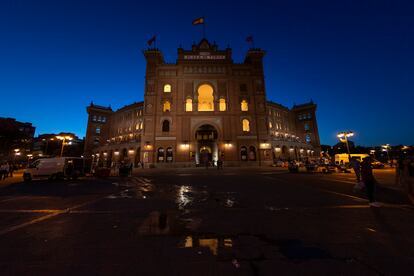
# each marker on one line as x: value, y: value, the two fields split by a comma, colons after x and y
x: 207, y: 150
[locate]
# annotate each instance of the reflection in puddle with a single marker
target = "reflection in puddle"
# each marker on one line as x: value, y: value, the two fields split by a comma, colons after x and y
x: 184, y: 196
x: 229, y: 202
x: 156, y: 223
x: 212, y: 243
x: 275, y: 209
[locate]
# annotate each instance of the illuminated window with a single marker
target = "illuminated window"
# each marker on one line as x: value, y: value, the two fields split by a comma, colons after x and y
x: 252, y: 153
x: 205, y: 98
x: 270, y: 124
x: 243, y: 153
x: 137, y: 126
x: 306, y: 126
x: 167, y: 106
x: 166, y: 126
x: 308, y: 138
x: 160, y: 155
x: 141, y: 125
x: 98, y: 130
x: 244, y: 106
x: 189, y: 105
x: 167, y: 88
x: 222, y: 105
x: 246, y: 125
x: 169, y: 154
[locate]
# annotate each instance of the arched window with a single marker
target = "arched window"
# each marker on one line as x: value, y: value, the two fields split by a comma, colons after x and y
x: 165, y: 126
x: 160, y: 155
x: 244, y: 105
x: 246, y: 125
x: 167, y: 88
x: 189, y: 105
x: 222, y: 105
x: 270, y: 124
x: 141, y: 125
x: 205, y: 98
x: 169, y: 154
x: 137, y: 126
x: 243, y: 153
x: 252, y: 153
x: 166, y: 106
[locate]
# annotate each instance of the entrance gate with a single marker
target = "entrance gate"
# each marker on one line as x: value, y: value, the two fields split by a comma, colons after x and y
x: 207, y: 150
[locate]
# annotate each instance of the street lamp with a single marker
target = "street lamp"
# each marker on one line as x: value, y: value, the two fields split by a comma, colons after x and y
x: 343, y: 137
x: 63, y: 138
x: 386, y: 148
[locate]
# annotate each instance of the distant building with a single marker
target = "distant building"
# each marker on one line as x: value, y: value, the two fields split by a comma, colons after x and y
x: 48, y: 145
x: 202, y: 108
x: 15, y: 135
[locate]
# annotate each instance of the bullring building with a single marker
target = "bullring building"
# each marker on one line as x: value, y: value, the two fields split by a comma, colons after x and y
x: 204, y: 107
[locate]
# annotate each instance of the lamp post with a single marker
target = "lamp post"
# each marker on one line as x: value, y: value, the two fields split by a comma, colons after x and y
x: 343, y: 137
x: 386, y: 148
x: 63, y: 138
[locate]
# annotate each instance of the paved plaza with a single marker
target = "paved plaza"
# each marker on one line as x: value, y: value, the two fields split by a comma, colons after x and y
x: 236, y: 221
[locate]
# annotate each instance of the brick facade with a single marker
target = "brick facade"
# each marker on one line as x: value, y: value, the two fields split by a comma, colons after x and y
x: 202, y: 108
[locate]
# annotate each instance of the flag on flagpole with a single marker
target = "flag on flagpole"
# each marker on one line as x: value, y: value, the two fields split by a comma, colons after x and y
x: 151, y: 40
x: 198, y: 21
x: 249, y: 39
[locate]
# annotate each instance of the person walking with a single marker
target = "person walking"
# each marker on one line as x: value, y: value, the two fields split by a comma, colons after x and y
x: 2, y: 170
x: 369, y: 181
x: 405, y: 174
x: 356, y: 166
x: 11, y: 169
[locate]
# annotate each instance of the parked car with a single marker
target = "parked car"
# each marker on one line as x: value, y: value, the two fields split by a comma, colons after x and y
x: 54, y: 168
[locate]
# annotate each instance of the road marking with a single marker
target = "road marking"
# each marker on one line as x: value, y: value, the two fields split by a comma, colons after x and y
x: 344, y: 195
x: 19, y: 226
x: 31, y: 211
x: 13, y: 198
x: 58, y: 212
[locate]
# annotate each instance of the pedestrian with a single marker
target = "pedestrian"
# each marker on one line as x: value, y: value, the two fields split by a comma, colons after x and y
x: 406, y: 178
x: 219, y: 164
x: 2, y: 170
x: 369, y: 181
x: 356, y: 166
x: 6, y: 170
x: 11, y: 169
x: 142, y: 164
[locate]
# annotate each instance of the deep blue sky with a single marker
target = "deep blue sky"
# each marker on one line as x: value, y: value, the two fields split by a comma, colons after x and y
x: 355, y: 59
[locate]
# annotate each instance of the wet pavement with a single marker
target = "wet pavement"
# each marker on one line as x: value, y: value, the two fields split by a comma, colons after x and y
x: 255, y: 221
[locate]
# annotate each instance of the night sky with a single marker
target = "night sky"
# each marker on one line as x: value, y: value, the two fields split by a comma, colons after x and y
x: 355, y: 59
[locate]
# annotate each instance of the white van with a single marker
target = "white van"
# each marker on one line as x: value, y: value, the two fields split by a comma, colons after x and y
x: 54, y: 168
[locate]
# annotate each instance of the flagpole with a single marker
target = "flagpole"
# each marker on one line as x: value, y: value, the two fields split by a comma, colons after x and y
x: 204, y: 27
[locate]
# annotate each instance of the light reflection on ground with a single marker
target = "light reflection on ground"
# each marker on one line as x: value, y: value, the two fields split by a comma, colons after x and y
x: 213, y: 244
x: 184, y: 196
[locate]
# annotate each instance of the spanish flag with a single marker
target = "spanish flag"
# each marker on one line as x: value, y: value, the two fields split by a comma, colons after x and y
x: 198, y: 21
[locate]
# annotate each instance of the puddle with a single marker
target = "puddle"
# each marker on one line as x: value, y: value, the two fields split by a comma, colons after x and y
x: 296, y: 250
x: 213, y: 244
x: 275, y: 209
x: 157, y: 223
x: 254, y: 248
x: 186, y: 196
